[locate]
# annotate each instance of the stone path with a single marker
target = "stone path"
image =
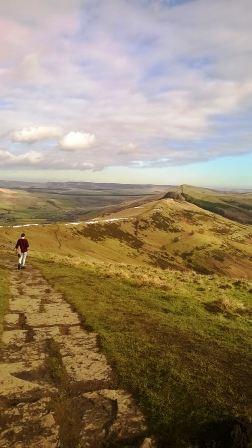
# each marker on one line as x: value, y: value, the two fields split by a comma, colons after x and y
x: 56, y: 387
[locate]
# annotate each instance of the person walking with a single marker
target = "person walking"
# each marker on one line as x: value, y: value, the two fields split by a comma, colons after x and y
x: 22, y: 249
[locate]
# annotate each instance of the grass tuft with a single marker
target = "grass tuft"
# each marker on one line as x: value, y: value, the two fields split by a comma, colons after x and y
x: 228, y: 306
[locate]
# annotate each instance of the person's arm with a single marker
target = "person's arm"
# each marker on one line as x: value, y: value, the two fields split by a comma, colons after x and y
x: 27, y: 245
x: 17, y: 246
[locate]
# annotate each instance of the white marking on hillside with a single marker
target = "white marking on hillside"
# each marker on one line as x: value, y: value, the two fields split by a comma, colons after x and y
x: 24, y: 225
x: 115, y: 219
x: 96, y: 221
x: 93, y: 221
x: 30, y: 225
x: 73, y: 223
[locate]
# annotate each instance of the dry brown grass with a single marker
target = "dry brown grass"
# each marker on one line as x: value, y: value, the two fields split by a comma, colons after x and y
x: 138, y: 275
x: 227, y: 305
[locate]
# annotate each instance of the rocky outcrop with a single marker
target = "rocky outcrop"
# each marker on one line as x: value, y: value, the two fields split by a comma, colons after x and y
x: 177, y: 196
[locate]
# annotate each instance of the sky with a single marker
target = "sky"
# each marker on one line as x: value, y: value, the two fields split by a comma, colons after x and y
x: 132, y: 91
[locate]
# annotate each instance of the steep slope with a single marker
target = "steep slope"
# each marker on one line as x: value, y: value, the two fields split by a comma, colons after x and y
x: 181, y: 235
x: 233, y: 205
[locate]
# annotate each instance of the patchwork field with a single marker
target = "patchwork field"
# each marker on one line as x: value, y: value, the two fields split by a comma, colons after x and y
x: 22, y: 203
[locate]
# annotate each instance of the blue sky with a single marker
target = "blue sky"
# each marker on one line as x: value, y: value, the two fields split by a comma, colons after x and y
x: 143, y: 91
x: 228, y: 172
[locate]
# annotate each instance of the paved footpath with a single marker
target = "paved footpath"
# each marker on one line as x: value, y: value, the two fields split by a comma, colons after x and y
x: 56, y: 387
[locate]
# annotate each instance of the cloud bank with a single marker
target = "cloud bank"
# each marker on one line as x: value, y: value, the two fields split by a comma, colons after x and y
x: 32, y: 158
x: 35, y: 133
x: 147, y: 83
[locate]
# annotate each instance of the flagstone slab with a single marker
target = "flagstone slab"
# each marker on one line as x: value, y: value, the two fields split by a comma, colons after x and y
x: 11, y: 319
x: 11, y: 385
x: 52, y: 318
x: 25, y: 305
x: 44, y: 333
x: 16, y: 337
x: 36, y: 426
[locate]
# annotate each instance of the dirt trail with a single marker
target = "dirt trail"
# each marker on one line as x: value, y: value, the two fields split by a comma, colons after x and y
x: 56, y: 387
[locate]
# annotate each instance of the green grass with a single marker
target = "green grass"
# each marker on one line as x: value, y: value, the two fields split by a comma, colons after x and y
x: 4, y: 295
x: 185, y: 359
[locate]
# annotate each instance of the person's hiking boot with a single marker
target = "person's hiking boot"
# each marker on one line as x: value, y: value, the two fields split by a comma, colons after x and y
x: 19, y: 266
x: 22, y: 267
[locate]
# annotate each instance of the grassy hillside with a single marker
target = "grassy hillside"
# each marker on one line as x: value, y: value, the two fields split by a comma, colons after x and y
x: 17, y: 206
x: 54, y: 202
x: 232, y: 205
x: 179, y: 342
x: 164, y: 233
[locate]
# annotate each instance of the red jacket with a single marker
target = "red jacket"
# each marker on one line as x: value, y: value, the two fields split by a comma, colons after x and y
x: 23, y: 244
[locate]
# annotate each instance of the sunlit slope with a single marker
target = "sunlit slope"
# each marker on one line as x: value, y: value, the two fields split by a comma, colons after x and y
x: 182, y: 235
x: 163, y: 233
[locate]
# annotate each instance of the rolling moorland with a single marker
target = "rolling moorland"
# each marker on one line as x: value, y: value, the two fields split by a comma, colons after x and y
x: 22, y: 202
x: 167, y: 286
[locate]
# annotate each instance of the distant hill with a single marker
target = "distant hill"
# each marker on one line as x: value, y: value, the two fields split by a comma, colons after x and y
x: 81, y: 186
x: 22, y: 202
x: 37, y: 202
x: 164, y: 233
x: 231, y: 204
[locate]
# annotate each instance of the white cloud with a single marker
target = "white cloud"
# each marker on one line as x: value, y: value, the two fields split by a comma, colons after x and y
x: 35, y: 133
x: 29, y: 158
x: 175, y: 82
x: 77, y: 140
